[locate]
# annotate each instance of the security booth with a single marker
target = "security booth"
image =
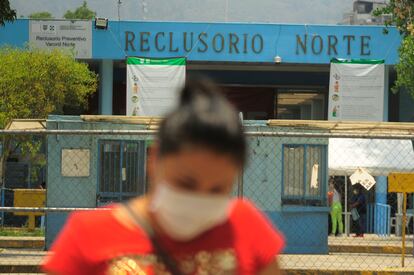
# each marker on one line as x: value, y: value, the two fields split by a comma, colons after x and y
x: 92, y: 170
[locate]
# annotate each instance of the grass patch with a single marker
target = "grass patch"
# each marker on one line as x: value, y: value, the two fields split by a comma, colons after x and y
x: 21, y: 232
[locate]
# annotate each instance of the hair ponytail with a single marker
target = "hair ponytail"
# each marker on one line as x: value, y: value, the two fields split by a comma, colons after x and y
x: 203, y: 117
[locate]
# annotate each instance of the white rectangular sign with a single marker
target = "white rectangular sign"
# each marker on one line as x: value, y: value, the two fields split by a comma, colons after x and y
x: 153, y: 85
x: 356, y: 90
x: 73, y: 35
x: 75, y: 162
x: 362, y: 177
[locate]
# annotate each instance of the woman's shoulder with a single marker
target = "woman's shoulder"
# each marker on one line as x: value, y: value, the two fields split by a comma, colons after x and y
x: 94, y: 219
x: 243, y: 205
x: 256, y: 229
x: 93, y: 227
x: 245, y: 210
x: 101, y: 219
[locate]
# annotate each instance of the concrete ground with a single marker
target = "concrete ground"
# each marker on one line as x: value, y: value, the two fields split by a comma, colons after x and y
x: 370, y: 244
x: 370, y: 239
x: 353, y: 261
x: 28, y: 260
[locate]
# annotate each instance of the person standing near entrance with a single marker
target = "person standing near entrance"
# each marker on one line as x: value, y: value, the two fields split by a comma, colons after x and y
x: 336, y: 210
x: 358, y: 203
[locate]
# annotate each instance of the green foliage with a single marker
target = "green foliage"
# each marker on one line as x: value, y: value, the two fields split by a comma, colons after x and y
x: 82, y: 12
x: 35, y: 83
x: 6, y: 13
x: 405, y: 68
x: 402, y: 12
x: 41, y: 15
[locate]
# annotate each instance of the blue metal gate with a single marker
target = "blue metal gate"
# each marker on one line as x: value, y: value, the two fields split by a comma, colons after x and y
x: 122, y: 166
x: 379, y: 219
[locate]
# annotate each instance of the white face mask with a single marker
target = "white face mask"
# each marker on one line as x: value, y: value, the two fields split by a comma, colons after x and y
x: 185, y: 215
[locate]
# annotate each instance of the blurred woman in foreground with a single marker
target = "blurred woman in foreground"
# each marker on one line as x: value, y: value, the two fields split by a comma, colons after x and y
x: 188, y: 223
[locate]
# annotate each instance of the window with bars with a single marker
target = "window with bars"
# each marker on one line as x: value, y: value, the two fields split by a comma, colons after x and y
x: 304, y: 174
x: 121, y: 170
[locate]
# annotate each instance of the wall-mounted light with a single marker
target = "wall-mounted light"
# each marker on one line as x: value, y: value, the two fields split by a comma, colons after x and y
x: 278, y: 59
x: 101, y: 23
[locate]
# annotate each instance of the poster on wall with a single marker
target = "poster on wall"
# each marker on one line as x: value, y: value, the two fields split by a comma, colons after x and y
x: 356, y: 90
x: 153, y: 85
x: 73, y: 35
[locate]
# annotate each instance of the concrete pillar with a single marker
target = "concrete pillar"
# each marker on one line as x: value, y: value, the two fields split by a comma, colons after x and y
x: 406, y: 106
x: 106, y: 75
x: 381, y: 181
x: 386, y: 91
x: 305, y: 112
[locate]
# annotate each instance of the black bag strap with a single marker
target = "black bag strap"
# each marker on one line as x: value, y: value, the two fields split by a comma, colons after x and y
x: 169, y: 262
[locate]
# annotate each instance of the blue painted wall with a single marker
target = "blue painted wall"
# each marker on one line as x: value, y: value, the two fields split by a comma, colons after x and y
x: 305, y: 229
x: 241, y: 42
x: 15, y: 34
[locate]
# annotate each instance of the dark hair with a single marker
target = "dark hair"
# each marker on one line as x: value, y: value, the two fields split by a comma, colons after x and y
x: 203, y: 117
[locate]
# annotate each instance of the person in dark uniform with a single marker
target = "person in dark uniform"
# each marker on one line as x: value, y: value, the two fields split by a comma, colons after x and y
x: 358, y: 202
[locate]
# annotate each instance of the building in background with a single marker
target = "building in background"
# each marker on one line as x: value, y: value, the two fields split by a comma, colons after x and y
x: 269, y: 71
x: 362, y: 13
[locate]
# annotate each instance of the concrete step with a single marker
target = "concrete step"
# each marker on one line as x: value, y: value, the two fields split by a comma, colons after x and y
x: 369, y: 249
x: 22, y: 242
x: 19, y: 268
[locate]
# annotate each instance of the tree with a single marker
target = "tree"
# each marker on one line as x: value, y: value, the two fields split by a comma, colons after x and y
x: 6, y: 13
x: 35, y: 83
x: 402, y: 12
x: 41, y: 15
x: 82, y: 12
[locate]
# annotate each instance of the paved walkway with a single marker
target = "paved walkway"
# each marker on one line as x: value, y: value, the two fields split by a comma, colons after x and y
x: 346, y: 262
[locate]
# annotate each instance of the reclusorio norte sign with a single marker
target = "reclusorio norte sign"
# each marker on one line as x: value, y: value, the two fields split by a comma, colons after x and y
x: 211, y: 42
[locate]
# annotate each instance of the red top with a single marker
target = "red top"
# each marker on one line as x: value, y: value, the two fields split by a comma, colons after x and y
x: 97, y: 243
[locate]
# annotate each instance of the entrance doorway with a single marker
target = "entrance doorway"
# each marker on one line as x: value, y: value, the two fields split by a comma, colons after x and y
x: 256, y: 103
x: 300, y: 104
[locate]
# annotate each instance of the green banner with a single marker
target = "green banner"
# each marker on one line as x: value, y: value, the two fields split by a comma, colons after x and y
x: 158, y: 61
x: 357, y: 61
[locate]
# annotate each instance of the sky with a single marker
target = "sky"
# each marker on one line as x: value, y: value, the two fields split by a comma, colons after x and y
x: 269, y: 11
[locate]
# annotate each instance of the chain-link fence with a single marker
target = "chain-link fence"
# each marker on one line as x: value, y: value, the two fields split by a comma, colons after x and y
x: 305, y: 181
